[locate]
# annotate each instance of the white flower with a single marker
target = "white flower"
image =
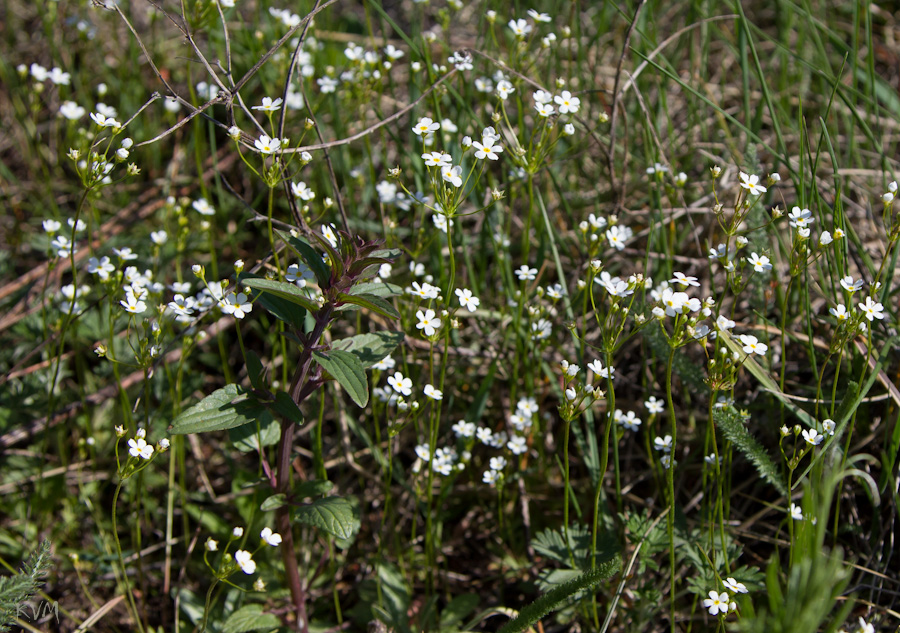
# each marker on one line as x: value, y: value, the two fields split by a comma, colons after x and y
x: 203, y: 207
x: 464, y: 429
x: 800, y: 218
x: 497, y: 463
x: 267, y: 145
x: 101, y: 267
x: 663, y: 443
x: 828, y: 426
x: 425, y: 126
x: 245, y: 561
x: 236, y: 305
x: 401, y: 385
x: 567, y: 103
x: 544, y: 109
x: 848, y: 284
x: 760, y: 263
x: 752, y: 345
x: 51, y: 226
x: 452, y: 174
x: 132, y: 304
x: 268, y: 105
x: 724, y: 323
x: 300, y: 190
x: 524, y: 273
x: 299, y: 274
x: 491, y: 477
x: 600, y: 371
x: 654, y: 405
x: 211, y: 545
x: 865, y: 627
x: 812, y: 437
x: 487, y: 149
x: 71, y: 110
x: 428, y: 322
x: 796, y: 512
x: 684, y: 280
x: 751, y: 184
x: 734, y: 586
x: 871, y: 309
x: 437, y: 159
x: 717, y: 602
x: 466, y: 300
x: 434, y: 394
x: 520, y: 27
x: 139, y: 448
x: 270, y: 537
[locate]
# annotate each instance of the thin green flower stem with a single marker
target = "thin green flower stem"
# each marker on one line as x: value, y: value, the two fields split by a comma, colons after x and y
x: 670, y: 480
x: 819, y: 381
x: 318, y: 451
x: 720, y: 496
x: 526, y: 232
x: 862, y: 375
x: 208, y: 604
x: 837, y: 375
x: 568, y: 424
x: 790, y: 518
x: 785, y: 301
x: 115, y: 531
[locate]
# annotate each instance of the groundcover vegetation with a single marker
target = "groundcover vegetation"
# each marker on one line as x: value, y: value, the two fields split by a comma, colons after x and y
x: 450, y: 316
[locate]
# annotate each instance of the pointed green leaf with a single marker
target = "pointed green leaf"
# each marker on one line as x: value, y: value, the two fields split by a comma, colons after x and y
x: 372, y: 347
x: 334, y: 515
x: 382, y: 289
x: 274, y: 502
x: 286, y: 408
x: 255, y: 370
x: 371, y: 302
x: 347, y: 369
x: 250, y: 618
x: 284, y: 290
x: 225, y: 408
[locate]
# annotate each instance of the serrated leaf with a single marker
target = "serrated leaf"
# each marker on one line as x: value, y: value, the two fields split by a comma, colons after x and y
x: 372, y: 347
x: 347, y: 369
x: 274, y: 502
x: 224, y: 408
x: 371, y: 302
x: 310, y: 257
x: 247, y: 438
x: 286, y: 408
x: 250, y: 618
x: 284, y: 290
x: 383, y: 289
x: 732, y: 426
x: 334, y: 515
x: 560, y: 596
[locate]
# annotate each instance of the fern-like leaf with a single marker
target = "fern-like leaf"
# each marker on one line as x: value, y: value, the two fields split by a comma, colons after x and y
x: 729, y: 421
x: 18, y: 589
x: 557, y: 598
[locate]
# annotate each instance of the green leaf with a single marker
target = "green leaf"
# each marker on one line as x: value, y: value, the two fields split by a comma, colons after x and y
x: 312, y: 488
x: 732, y: 426
x: 559, y: 597
x: 255, y: 370
x: 458, y: 609
x: 347, y: 369
x: 310, y: 257
x: 375, y: 288
x: 372, y: 347
x: 281, y: 309
x: 284, y: 290
x: 334, y: 515
x: 247, y: 438
x: 224, y: 408
x: 274, y: 502
x: 371, y: 302
x: 286, y: 408
x: 250, y: 618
